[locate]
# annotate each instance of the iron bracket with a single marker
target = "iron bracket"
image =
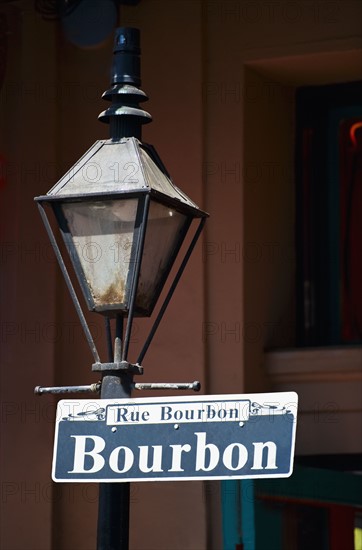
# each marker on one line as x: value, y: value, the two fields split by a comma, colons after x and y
x: 91, y: 388
x: 195, y: 386
x: 96, y: 388
x: 122, y: 366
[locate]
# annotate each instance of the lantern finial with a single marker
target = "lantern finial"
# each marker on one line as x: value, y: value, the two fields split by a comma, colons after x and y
x: 124, y: 115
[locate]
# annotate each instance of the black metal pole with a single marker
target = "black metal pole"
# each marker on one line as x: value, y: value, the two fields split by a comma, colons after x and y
x: 113, y: 516
x: 113, y: 506
x: 125, y: 119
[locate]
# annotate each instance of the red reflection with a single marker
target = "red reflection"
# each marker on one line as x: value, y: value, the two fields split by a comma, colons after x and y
x: 350, y: 147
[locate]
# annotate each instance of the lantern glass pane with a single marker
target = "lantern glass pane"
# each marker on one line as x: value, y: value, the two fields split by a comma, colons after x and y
x: 102, y: 242
x: 164, y: 234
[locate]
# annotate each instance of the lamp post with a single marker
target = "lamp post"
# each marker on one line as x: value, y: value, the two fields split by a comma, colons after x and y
x: 123, y: 222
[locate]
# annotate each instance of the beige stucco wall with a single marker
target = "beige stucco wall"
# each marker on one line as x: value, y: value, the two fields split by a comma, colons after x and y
x: 208, y: 68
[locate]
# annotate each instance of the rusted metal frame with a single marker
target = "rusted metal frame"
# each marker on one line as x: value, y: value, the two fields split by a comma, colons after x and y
x: 107, y: 323
x: 118, y: 338
x: 91, y: 197
x: 136, y: 273
x: 69, y: 243
x: 69, y: 284
x: 172, y: 258
x: 115, y: 365
x: 171, y: 291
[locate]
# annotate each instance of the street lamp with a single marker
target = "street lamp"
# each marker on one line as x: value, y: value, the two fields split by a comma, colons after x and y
x: 123, y: 222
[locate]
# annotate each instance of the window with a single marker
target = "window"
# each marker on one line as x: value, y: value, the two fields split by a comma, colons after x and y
x: 329, y: 214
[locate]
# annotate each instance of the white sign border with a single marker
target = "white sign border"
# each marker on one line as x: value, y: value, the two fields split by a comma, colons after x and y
x: 269, y: 400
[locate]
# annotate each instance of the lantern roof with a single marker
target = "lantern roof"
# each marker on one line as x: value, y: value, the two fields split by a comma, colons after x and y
x: 112, y: 167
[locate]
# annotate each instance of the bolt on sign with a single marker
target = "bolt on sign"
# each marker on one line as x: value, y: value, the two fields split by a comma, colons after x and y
x: 180, y: 438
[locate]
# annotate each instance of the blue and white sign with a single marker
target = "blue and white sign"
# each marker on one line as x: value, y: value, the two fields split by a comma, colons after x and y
x: 180, y: 438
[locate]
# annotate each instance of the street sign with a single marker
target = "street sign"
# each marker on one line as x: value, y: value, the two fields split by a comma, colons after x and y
x: 180, y: 438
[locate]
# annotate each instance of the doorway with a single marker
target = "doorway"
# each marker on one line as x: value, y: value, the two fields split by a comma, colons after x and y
x: 315, y: 508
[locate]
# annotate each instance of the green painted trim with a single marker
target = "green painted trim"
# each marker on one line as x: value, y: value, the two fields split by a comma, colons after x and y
x: 231, y: 522
x: 313, y: 484
x: 269, y: 526
x: 248, y: 514
x: 246, y: 520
